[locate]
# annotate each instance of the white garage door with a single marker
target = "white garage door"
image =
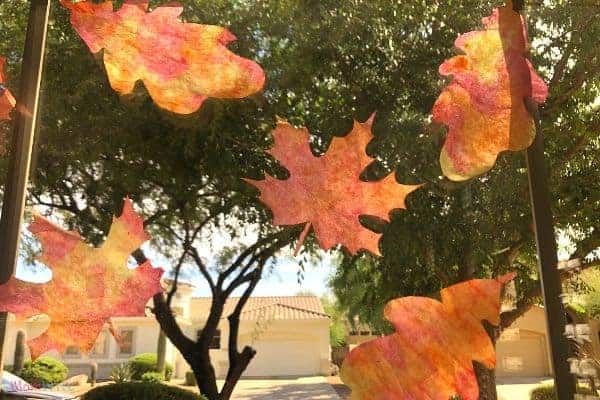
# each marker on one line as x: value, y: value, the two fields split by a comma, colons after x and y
x: 284, y: 358
x: 524, y: 357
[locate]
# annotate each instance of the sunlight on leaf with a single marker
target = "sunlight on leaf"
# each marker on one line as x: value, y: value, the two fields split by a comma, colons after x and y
x: 326, y: 192
x: 484, y: 105
x: 89, y: 285
x: 181, y: 64
x: 432, y: 352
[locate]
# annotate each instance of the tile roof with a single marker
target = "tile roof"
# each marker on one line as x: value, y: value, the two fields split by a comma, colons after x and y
x: 272, y: 308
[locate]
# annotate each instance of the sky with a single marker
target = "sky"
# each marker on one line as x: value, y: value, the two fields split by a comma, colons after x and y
x: 281, y: 279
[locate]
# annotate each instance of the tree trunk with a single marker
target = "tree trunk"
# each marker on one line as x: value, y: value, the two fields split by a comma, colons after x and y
x: 204, y: 372
x: 486, y: 378
x: 161, y: 353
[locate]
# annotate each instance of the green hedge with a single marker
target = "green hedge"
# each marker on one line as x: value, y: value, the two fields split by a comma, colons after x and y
x: 140, y: 391
x: 190, y: 379
x: 546, y: 392
x: 44, y: 372
x: 146, y: 362
x: 152, y: 377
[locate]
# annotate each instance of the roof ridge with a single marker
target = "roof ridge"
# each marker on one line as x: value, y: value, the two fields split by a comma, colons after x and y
x: 287, y: 306
x: 262, y: 297
x: 303, y: 309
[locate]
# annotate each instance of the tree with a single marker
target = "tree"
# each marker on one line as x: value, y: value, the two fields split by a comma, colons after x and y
x: 337, y: 329
x: 327, y: 63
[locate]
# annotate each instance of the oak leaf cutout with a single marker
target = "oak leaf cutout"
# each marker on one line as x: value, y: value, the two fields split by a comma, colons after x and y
x: 181, y: 64
x: 7, y: 101
x: 484, y: 105
x: 431, y: 354
x: 326, y: 192
x: 89, y: 285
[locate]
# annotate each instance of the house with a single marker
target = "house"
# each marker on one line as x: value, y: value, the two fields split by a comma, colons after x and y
x: 523, y: 349
x: 290, y: 334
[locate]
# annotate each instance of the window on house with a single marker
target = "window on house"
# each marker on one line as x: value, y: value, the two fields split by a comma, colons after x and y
x: 215, y: 342
x: 72, y: 352
x: 126, y: 345
x: 100, y: 349
x: 177, y: 311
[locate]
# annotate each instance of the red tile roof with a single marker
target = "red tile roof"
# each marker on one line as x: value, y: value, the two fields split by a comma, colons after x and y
x: 271, y: 308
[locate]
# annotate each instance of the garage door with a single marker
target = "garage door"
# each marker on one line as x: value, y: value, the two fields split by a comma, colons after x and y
x: 284, y: 358
x: 522, y: 357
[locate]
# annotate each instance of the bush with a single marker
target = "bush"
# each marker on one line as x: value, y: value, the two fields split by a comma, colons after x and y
x: 121, y: 374
x: 140, y: 391
x: 190, y: 379
x: 146, y: 362
x: 153, y: 377
x: 546, y: 392
x: 44, y: 372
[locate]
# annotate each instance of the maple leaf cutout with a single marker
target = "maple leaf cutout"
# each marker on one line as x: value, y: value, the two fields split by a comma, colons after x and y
x: 181, y: 64
x: 326, y: 192
x: 431, y: 354
x: 7, y: 101
x: 89, y: 285
x: 484, y: 105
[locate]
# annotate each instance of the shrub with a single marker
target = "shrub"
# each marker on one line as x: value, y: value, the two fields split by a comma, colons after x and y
x: 152, y: 377
x: 146, y: 362
x: 546, y: 392
x: 190, y: 379
x: 140, y: 391
x: 121, y: 374
x: 44, y: 372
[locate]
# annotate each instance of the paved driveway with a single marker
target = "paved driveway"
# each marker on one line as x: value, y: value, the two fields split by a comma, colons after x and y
x: 518, y: 388
x: 311, y: 388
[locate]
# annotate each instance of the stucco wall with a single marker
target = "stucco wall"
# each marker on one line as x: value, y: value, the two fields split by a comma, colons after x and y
x: 145, y: 339
x: 523, y: 350
x: 283, y: 338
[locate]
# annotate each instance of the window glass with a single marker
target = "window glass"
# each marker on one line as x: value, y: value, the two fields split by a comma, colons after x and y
x: 115, y: 125
x: 72, y: 352
x: 126, y: 342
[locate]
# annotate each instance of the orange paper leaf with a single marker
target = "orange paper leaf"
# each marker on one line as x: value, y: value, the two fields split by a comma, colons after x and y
x: 181, y: 64
x: 7, y: 101
x: 431, y: 354
x: 484, y: 105
x: 327, y: 191
x: 89, y: 285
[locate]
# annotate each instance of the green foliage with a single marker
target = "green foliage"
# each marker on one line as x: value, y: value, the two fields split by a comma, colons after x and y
x: 337, y: 328
x: 19, y: 357
x: 547, y: 392
x: 140, y: 391
x: 146, y: 362
x: 327, y: 62
x: 44, y: 372
x: 121, y: 374
x: 591, y: 299
x: 152, y: 377
x: 190, y: 379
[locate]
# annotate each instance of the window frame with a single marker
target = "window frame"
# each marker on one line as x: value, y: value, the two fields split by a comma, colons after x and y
x: 120, y: 353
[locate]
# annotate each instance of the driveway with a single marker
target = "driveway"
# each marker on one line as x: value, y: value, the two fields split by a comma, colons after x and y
x: 508, y: 388
x: 518, y: 388
x: 311, y: 388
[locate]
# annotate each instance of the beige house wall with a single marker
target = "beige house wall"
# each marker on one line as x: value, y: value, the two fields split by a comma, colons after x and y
x: 285, y: 345
x: 288, y: 347
x: 523, y: 350
x: 145, y: 340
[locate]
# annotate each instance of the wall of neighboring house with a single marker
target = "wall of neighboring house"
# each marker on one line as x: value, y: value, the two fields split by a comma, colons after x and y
x: 522, y: 350
x: 284, y: 347
x: 139, y: 335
